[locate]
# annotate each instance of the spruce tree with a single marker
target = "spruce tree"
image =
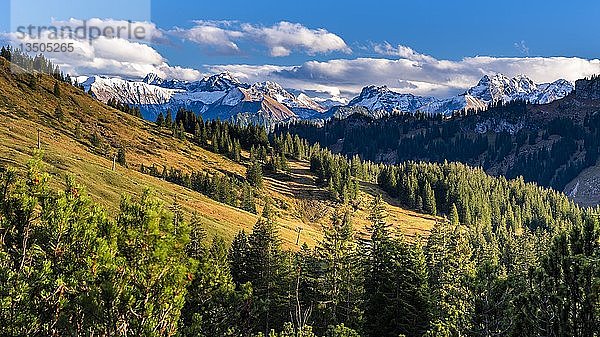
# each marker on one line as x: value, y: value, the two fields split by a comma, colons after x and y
x: 121, y: 157
x: 378, y: 258
x: 267, y: 270
x: 454, y: 219
x: 211, y: 299
x: 160, y: 120
x: 451, y: 270
x: 238, y: 258
x: 248, y: 203
x: 169, y: 119
x: 254, y: 174
x: 56, y: 89
x: 339, y: 281
x: 429, y: 204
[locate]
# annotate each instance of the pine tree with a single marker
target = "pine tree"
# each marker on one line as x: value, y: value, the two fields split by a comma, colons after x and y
x: 168, y: 119
x: 451, y: 270
x: 160, y: 120
x: 454, y: 219
x: 153, y: 264
x: 429, y: 204
x: 254, y: 175
x: 56, y: 89
x: 121, y: 157
x: 248, y: 203
x: 267, y: 271
x: 339, y: 283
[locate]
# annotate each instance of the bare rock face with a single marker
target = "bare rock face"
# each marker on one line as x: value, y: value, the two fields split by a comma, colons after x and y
x: 588, y: 89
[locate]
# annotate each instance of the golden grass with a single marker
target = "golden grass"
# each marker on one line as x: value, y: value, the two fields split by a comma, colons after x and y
x: 24, y: 111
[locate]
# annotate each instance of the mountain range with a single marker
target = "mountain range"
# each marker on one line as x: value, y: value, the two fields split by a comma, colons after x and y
x: 224, y: 97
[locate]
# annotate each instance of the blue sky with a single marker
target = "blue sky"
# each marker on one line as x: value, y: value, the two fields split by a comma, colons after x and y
x: 444, y: 29
x: 334, y: 47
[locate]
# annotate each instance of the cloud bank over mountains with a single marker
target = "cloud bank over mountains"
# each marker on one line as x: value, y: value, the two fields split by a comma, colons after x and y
x: 399, y: 67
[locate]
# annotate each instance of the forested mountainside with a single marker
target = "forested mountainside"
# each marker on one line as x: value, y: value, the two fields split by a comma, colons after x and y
x: 225, y: 97
x: 549, y: 144
x: 219, y: 255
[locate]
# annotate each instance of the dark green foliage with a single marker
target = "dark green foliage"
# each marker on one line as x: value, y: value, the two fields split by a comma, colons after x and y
x: 32, y: 64
x: 336, y: 172
x: 454, y: 218
x: 219, y: 137
x: 429, y: 200
x: 276, y: 163
x: 551, y: 153
x: 5, y: 52
x: 258, y: 259
x: 339, y: 279
x: 66, y: 269
x: 451, y: 270
x: 56, y: 89
x: 126, y: 108
x: 160, y: 120
x: 212, y: 300
x: 121, y: 157
x: 395, y: 282
x: 254, y: 175
x: 479, y: 198
x: 563, y: 296
x: 217, y: 186
x: 512, y: 260
x: 248, y: 203
x: 168, y: 119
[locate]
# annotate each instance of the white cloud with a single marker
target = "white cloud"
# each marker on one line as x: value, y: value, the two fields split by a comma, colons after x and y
x: 210, y: 34
x: 284, y: 37
x: 107, y: 56
x: 280, y: 39
x: 401, y: 51
x: 141, y: 31
x: 415, y: 73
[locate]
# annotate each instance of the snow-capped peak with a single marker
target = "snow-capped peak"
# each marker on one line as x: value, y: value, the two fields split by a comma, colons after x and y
x: 219, y: 82
x: 500, y: 88
x: 153, y: 79
x: 271, y: 89
x: 224, y: 96
x: 276, y: 91
x: 382, y: 99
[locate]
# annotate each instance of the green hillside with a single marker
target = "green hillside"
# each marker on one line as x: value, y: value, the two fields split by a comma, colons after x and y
x: 68, y: 149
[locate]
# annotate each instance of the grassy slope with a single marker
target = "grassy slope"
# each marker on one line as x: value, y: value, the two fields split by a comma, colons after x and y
x: 23, y: 111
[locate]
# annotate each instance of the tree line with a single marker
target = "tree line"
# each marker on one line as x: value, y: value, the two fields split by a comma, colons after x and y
x: 69, y: 269
x: 219, y: 187
x: 126, y: 108
x: 551, y: 153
